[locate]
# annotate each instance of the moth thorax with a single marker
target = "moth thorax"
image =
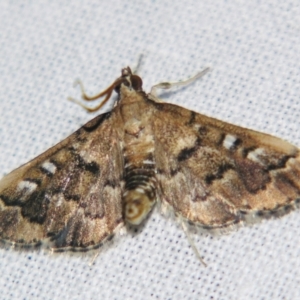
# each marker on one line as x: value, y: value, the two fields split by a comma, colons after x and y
x: 137, y: 205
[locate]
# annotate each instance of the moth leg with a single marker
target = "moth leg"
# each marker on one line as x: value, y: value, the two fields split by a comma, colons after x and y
x: 96, y: 96
x: 86, y: 97
x: 94, y: 258
x: 169, y: 85
x: 188, y: 235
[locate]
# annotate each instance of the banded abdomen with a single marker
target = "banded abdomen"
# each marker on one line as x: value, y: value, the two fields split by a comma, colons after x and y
x: 140, y: 184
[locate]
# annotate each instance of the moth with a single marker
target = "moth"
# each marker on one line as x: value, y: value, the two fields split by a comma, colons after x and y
x: 113, y: 170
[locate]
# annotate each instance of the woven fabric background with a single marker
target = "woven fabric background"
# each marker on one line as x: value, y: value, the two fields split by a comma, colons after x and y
x: 253, y: 48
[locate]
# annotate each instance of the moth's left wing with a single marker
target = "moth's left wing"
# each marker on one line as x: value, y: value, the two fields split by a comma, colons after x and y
x: 68, y: 198
x: 215, y: 174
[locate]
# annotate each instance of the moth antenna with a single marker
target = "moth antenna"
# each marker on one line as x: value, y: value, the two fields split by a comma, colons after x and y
x: 137, y: 68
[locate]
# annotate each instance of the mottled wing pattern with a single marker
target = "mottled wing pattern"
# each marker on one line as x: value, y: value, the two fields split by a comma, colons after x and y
x: 68, y: 198
x: 216, y: 174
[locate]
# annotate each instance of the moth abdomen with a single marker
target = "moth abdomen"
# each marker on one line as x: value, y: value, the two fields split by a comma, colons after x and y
x: 139, y: 196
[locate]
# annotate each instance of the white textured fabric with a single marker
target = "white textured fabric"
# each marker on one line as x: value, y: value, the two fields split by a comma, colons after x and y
x: 253, y: 48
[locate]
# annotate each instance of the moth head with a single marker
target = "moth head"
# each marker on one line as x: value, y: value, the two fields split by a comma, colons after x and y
x: 129, y: 79
x: 137, y: 206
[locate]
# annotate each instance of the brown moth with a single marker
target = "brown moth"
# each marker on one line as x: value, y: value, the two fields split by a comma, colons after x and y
x: 113, y: 170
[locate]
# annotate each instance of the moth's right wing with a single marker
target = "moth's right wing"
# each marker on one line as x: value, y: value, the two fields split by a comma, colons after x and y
x: 215, y: 174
